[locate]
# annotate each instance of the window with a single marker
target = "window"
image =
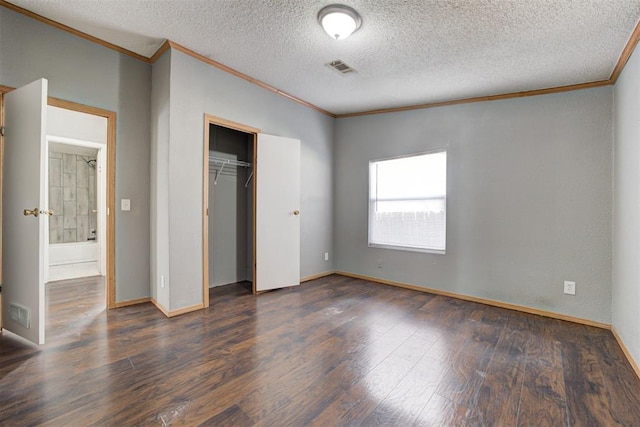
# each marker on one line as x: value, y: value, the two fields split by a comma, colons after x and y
x: 408, y: 202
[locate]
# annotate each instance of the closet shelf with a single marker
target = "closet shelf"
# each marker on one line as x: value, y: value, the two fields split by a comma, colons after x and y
x: 228, y: 162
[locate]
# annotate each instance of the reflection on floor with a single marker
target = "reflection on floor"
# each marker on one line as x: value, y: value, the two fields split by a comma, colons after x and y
x: 73, y: 304
x: 331, y: 352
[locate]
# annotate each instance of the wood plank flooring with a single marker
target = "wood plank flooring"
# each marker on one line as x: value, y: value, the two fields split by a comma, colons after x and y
x: 333, y: 352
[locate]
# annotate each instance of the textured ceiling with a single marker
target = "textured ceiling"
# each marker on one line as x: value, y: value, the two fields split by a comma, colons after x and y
x: 407, y: 52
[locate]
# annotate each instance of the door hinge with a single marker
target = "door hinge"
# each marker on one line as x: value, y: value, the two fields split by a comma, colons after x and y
x: 1, y: 130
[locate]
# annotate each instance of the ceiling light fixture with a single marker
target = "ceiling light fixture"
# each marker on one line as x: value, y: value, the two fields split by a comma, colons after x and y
x: 339, y: 21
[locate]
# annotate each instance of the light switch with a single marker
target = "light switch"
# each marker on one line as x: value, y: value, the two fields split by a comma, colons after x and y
x: 125, y: 204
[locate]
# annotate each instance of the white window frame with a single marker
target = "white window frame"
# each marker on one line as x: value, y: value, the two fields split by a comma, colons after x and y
x: 372, y: 200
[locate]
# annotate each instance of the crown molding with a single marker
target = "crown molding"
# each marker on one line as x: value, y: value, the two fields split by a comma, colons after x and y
x: 243, y: 76
x: 626, y: 54
x: 480, y: 99
x: 158, y: 53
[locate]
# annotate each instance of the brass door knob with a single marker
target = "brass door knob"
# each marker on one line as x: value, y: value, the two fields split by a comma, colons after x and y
x: 296, y: 212
x: 33, y: 212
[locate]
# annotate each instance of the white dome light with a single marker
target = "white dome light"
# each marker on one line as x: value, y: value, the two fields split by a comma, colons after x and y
x: 339, y: 21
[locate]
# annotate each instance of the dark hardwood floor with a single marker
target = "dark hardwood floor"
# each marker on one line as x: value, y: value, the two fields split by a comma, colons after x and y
x: 332, y: 352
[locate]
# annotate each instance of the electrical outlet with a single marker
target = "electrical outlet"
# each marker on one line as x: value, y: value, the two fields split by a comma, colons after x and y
x: 326, y: 256
x: 379, y: 263
x: 569, y: 287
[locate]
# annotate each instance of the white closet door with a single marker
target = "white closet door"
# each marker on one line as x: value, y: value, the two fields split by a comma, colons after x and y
x: 23, y: 236
x: 277, y: 212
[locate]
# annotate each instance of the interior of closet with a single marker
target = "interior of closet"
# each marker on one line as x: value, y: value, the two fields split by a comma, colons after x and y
x: 230, y: 206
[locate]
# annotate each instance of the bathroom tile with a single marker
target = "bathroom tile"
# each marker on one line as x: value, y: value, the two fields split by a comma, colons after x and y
x: 55, y: 200
x: 55, y: 172
x: 69, y: 187
x: 56, y: 229
x: 82, y: 196
x: 92, y: 188
x: 55, y: 155
x: 82, y: 180
x: 83, y: 228
x: 69, y: 215
x: 69, y: 236
x: 55, y: 237
x: 93, y: 221
x: 69, y: 163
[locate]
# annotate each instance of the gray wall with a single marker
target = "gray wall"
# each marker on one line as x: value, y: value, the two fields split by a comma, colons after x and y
x: 196, y: 89
x: 83, y: 72
x: 529, y: 199
x: 230, y: 250
x: 626, y: 236
x: 159, y: 215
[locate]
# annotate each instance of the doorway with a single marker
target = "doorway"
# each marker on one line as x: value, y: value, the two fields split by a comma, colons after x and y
x: 229, y: 200
x: 75, y: 236
x: 272, y: 205
x: 93, y: 130
x: 230, y: 207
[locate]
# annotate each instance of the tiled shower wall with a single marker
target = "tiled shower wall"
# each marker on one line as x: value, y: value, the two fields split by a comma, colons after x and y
x: 72, y: 196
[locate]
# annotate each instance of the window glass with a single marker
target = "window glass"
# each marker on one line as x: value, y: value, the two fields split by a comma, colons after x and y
x: 407, y: 202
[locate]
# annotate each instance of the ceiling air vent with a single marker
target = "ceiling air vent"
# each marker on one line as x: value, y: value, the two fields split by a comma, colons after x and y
x: 340, y: 67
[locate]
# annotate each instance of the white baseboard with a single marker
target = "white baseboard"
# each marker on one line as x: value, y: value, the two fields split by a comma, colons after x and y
x: 73, y: 271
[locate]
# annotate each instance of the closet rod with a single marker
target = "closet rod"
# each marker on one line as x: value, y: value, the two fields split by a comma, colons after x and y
x: 230, y: 162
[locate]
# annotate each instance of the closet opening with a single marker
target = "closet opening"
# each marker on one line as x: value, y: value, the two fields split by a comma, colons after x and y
x: 229, y: 236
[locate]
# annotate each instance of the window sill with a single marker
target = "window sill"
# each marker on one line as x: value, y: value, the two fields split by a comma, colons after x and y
x: 408, y: 248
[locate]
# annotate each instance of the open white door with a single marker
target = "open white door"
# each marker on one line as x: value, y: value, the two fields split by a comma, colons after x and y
x: 23, y: 233
x: 277, y: 212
